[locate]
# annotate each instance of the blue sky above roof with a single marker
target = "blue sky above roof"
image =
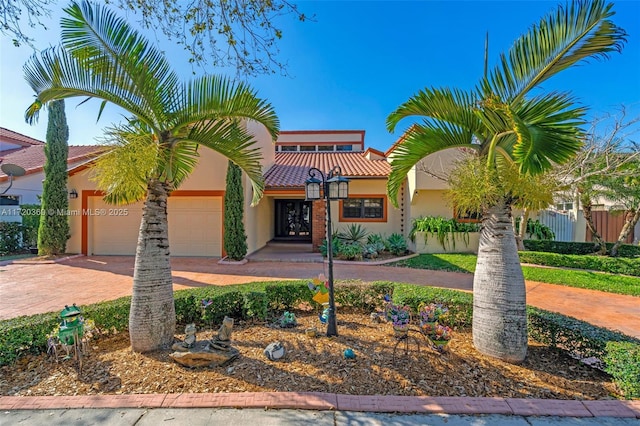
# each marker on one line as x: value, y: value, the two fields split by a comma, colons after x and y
x: 359, y: 60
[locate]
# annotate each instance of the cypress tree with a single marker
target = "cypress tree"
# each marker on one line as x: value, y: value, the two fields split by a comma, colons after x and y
x: 53, y: 232
x: 235, y: 239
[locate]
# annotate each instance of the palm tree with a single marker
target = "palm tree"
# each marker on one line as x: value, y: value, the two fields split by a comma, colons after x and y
x: 507, y: 129
x: 102, y: 57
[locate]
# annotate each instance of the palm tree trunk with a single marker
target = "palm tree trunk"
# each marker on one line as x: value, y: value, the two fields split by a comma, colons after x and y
x: 586, y: 210
x: 152, y: 319
x: 499, y: 292
x: 630, y: 221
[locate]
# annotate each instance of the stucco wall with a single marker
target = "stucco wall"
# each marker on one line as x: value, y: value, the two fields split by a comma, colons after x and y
x: 27, y: 187
x: 430, y: 203
x: 369, y: 188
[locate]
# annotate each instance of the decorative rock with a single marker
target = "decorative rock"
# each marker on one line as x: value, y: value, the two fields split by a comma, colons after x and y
x: 274, y: 351
x: 203, y: 355
x: 215, y: 352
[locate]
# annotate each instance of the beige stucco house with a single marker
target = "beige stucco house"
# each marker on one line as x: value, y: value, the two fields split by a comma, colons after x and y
x: 195, y: 210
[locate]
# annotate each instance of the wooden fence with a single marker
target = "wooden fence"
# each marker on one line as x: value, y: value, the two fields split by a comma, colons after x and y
x: 609, y: 224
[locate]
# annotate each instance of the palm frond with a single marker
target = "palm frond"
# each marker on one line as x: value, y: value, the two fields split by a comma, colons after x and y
x: 217, y: 97
x: 177, y: 161
x: 451, y: 106
x: 563, y: 38
x: 122, y: 172
x: 55, y: 74
x: 548, y: 130
x: 420, y: 141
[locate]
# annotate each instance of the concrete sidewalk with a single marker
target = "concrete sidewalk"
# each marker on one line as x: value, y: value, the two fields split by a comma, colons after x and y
x: 285, y: 417
x: 301, y: 407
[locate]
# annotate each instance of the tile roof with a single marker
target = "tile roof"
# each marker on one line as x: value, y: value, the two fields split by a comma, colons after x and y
x: 18, y: 138
x: 32, y: 158
x: 291, y: 169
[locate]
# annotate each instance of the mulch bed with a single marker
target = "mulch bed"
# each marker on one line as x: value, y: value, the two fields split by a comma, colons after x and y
x: 315, y: 364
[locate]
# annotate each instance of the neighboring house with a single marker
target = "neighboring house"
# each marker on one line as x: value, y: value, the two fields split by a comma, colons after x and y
x: 28, y: 153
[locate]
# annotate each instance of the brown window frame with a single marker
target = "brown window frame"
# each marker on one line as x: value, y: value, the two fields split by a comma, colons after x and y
x: 365, y: 219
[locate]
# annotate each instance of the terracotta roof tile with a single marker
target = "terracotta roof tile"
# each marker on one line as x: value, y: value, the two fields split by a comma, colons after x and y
x: 32, y: 158
x: 18, y: 138
x: 291, y: 169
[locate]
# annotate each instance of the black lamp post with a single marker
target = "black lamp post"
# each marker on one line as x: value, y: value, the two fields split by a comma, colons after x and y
x: 334, y: 187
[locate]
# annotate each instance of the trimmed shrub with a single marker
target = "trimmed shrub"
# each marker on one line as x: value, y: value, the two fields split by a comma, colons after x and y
x: 235, y: 238
x: 460, y: 304
x: 256, y: 305
x: 562, y: 247
x: 287, y: 295
x: 622, y: 361
x: 54, y: 231
x: 365, y: 297
x: 613, y: 265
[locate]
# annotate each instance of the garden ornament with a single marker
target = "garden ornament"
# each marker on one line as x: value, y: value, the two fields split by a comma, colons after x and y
x: 274, y: 351
x: 349, y: 354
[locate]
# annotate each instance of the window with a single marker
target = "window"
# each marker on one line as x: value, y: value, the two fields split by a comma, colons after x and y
x: 9, y: 200
x: 307, y: 148
x: 468, y: 216
x: 564, y: 206
x: 325, y: 147
x: 344, y: 147
x: 288, y: 148
x: 366, y: 209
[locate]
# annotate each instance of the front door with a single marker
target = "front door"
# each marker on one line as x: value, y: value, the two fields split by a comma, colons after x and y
x: 293, y: 220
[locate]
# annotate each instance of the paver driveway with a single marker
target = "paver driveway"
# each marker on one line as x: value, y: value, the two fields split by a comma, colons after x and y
x: 29, y: 288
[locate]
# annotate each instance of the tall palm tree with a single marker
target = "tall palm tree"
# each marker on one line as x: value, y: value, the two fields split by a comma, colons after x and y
x: 506, y: 126
x: 102, y: 57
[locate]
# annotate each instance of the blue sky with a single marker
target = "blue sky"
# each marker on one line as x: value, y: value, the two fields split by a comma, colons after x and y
x: 359, y: 60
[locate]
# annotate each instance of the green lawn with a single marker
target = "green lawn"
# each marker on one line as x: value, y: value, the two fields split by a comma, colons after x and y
x: 574, y: 278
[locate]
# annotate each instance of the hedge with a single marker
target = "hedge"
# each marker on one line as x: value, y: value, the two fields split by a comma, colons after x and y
x: 563, y: 247
x: 612, y: 265
x: 620, y: 354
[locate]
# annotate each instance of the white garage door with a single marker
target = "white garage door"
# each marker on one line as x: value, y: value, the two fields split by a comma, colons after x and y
x: 195, y: 225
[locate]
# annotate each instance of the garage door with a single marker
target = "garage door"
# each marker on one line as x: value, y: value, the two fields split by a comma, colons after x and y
x: 195, y: 225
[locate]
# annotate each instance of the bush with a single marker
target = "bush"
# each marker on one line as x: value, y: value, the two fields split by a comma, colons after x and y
x: 350, y: 251
x: 622, y: 361
x: 613, y: 265
x: 30, y: 224
x: 228, y: 304
x: 460, y: 304
x: 287, y: 295
x: 10, y: 237
x: 366, y: 297
x: 396, y: 244
x: 562, y: 247
x: 256, y: 305
x: 441, y: 228
x: 335, y: 248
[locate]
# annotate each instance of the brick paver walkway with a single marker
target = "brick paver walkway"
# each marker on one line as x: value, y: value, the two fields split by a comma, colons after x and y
x: 28, y: 288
